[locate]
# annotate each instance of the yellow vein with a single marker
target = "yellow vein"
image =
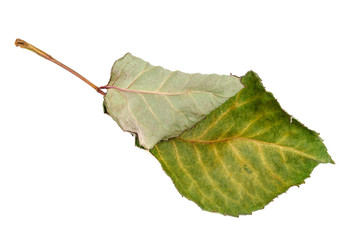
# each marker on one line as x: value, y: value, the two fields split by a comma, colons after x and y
x: 250, y: 124
x: 226, y: 131
x: 189, y: 175
x: 224, y: 114
x: 235, y: 180
x: 283, y: 158
x: 240, y: 158
x: 267, y: 166
x: 211, y: 181
x: 267, y: 129
x: 216, y: 121
x: 290, y: 149
x: 282, y: 138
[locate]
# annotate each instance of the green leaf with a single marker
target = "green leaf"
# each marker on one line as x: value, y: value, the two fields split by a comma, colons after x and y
x: 155, y: 103
x: 243, y: 154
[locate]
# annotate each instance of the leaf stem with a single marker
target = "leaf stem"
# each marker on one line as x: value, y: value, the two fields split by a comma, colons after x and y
x: 26, y: 45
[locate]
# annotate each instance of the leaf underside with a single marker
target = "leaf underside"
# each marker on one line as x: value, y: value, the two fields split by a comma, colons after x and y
x: 156, y: 104
x: 243, y: 154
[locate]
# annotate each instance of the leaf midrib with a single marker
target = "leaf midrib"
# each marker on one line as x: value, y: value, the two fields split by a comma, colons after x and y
x: 290, y: 149
x: 159, y: 93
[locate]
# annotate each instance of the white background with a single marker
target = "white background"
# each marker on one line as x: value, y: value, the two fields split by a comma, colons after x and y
x: 67, y: 171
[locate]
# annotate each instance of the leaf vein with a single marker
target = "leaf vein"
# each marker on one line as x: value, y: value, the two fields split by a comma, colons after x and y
x: 167, y: 78
x: 211, y: 180
x: 224, y: 114
x: 190, y: 176
x: 290, y: 149
x: 141, y: 73
x: 152, y: 112
x: 240, y: 158
x: 235, y: 180
x: 269, y: 168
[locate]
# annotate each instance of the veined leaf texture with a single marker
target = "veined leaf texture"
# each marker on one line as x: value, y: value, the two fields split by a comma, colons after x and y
x: 243, y: 154
x: 156, y: 104
x: 227, y: 145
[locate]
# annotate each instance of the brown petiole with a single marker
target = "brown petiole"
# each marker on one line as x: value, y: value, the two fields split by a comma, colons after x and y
x: 26, y: 45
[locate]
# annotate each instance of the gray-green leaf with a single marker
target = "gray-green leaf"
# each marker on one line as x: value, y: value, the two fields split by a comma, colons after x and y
x: 157, y: 104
